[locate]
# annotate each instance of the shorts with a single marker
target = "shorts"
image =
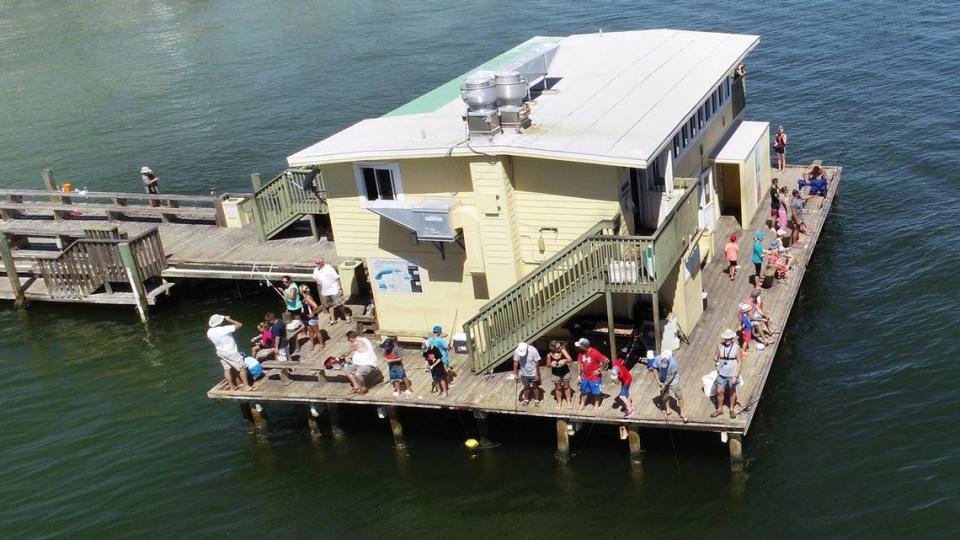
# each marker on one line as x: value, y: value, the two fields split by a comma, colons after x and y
x: 331, y: 300
x: 726, y: 382
x: 232, y: 360
x: 774, y: 212
x: 397, y: 373
x: 282, y: 354
x: 557, y: 379
x: 732, y: 265
x: 529, y: 382
x: 625, y: 391
x: 359, y: 371
x: 438, y: 375
x: 758, y: 267
x: 747, y: 336
x: 297, y: 311
x: 313, y: 321
x: 675, y: 390
x: 591, y: 387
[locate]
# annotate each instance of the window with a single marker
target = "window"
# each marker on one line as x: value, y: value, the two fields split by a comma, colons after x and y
x: 713, y: 99
x: 378, y: 182
x: 700, y: 118
x: 676, y: 146
x: 686, y: 136
x: 693, y: 126
x: 708, y: 109
x: 652, y: 176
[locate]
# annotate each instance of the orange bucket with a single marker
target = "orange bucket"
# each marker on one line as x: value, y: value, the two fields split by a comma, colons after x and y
x: 67, y: 187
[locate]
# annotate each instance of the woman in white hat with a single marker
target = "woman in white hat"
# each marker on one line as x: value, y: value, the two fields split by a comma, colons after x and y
x: 150, y: 183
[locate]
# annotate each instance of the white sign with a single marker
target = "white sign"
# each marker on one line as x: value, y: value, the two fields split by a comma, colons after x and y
x: 395, y: 276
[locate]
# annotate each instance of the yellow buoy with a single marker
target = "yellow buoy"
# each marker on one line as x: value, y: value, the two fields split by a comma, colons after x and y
x: 471, y: 443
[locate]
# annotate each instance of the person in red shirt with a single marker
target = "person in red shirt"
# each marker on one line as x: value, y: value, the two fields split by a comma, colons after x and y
x: 622, y: 374
x: 590, y: 362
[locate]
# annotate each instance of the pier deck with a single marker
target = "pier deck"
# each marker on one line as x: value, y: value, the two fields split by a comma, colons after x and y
x: 497, y: 393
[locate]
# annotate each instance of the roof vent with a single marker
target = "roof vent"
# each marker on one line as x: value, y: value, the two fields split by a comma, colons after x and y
x: 480, y: 94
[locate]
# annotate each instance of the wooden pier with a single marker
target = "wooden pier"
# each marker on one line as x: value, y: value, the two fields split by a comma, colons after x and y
x: 497, y: 393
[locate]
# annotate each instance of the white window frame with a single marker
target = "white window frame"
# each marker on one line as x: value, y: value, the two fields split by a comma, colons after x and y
x: 394, y: 169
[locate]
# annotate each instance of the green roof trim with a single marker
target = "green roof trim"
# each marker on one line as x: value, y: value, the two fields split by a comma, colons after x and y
x: 447, y: 92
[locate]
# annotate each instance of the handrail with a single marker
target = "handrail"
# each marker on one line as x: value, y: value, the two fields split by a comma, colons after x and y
x: 597, y: 262
x: 108, y: 195
x: 286, y: 198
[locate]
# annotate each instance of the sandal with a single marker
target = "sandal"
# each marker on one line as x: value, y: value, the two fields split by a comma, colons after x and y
x: 733, y: 413
x: 715, y: 414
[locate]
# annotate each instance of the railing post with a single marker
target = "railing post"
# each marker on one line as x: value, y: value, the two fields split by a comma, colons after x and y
x: 20, y: 299
x: 257, y: 183
x: 656, y: 319
x: 610, y: 329
x: 133, y: 275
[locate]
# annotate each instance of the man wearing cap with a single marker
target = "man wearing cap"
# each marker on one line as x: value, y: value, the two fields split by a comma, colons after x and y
x: 526, y: 369
x: 444, y: 345
x: 151, y: 184
x: 729, y: 359
x: 664, y: 371
x: 591, y: 362
x: 221, y: 335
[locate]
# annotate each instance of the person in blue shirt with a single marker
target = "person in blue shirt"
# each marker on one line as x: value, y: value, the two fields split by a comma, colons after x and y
x: 437, y: 340
x: 819, y: 184
x: 757, y: 258
x: 664, y: 370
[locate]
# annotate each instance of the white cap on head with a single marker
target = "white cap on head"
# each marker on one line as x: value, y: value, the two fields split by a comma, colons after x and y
x: 744, y: 307
x: 522, y: 348
x: 215, y: 320
x: 145, y: 170
x: 666, y: 353
x: 583, y: 343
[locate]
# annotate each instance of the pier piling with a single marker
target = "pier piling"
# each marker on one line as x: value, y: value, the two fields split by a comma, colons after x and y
x: 10, y: 268
x: 483, y: 429
x: 312, y: 423
x: 333, y: 413
x: 633, y: 440
x: 136, y: 282
x: 396, y: 427
x: 735, y: 443
x: 259, y: 419
x: 563, y: 441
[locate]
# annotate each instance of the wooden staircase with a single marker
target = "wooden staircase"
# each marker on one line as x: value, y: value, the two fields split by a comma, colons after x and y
x: 294, y: 193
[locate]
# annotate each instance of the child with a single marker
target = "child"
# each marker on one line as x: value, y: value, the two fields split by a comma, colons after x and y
x: 263, y: 342
x: 437, y: 371
x: 732, y: 251
x: 398, y: 375
x: 622, y: 374
x: 746, y: 326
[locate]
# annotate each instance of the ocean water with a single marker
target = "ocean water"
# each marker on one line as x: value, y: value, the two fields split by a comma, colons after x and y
x: 106, y: 429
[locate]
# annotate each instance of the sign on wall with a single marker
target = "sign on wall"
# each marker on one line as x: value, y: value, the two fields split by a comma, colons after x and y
x: 395, y: 276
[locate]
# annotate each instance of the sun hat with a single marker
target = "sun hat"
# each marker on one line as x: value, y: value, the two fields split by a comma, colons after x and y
x: 728, y: 334
x: 583, y: 343
x: 145, y: 170
x: 744, y: 307
x: 666, y: 353
x: 215, y: 320
x: 522, y: 348
x: 437, y: 329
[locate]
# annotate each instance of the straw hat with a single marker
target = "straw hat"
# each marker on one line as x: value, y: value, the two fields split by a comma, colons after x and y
x: 145, y: 170
x: 215, y: 320
x: 728, y: 334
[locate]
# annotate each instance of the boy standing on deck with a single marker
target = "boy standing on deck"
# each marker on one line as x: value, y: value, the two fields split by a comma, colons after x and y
x: 398, y: 375
x: 434, y: 359
x: 757, y: 257
x: 590, y: 361
x: 622, y: 374
x: 443, y: 345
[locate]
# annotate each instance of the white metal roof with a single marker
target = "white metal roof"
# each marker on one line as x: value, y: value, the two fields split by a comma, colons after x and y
x: 741, y: 142
x: 619, y: 98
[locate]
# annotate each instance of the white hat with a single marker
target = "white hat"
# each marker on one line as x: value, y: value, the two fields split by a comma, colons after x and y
x: 215, y: 320
x: 522, y: 348
x: 583, y: 343
x: 666, y: 353
x: 744, y: 307
x: 145, y: 170
x: 728, y: 334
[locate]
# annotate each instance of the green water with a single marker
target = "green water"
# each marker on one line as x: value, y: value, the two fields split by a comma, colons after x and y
x: 107, y: 431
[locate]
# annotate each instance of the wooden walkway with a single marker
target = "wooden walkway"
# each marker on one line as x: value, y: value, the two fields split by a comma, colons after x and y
x: 497, y: 393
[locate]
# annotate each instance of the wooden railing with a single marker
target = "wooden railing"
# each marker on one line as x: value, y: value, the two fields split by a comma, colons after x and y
x: 113, y: 205
x: 599, y: 261
x: 90, y: 263
x: 285, y: 199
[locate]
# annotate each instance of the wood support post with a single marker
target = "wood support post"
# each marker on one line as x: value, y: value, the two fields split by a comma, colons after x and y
x: 133, y: 275
x: 396, y: 427
x: 255, y: 180
x: 610, y: 328
x: 633, y: 440
x: 312, y: 423
x: 563, y: 441
x: 259, y: 419
x: 10, y: 267
x: 314, y: 227
x: 52, y: 186
x: 656, y: 320
x: 483, y: 429
x: 333, y: 413
x: 735, y: 443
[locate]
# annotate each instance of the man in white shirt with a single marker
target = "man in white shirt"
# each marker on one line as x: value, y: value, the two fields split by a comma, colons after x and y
x: 221, y: 335
x: 362, y: 359
x: 331, y: 290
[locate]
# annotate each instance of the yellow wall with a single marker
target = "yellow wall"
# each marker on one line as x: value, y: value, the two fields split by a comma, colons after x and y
x: 754, y: 188
x: 684, y: 295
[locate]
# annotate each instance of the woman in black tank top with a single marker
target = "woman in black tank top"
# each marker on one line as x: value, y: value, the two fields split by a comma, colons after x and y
x: 559, y: 360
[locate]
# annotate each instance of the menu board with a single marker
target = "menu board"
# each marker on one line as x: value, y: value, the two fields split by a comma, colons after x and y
x: 396, y: 276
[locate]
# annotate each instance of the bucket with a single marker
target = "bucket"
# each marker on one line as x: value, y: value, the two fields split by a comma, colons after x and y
x: 66, y: 187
